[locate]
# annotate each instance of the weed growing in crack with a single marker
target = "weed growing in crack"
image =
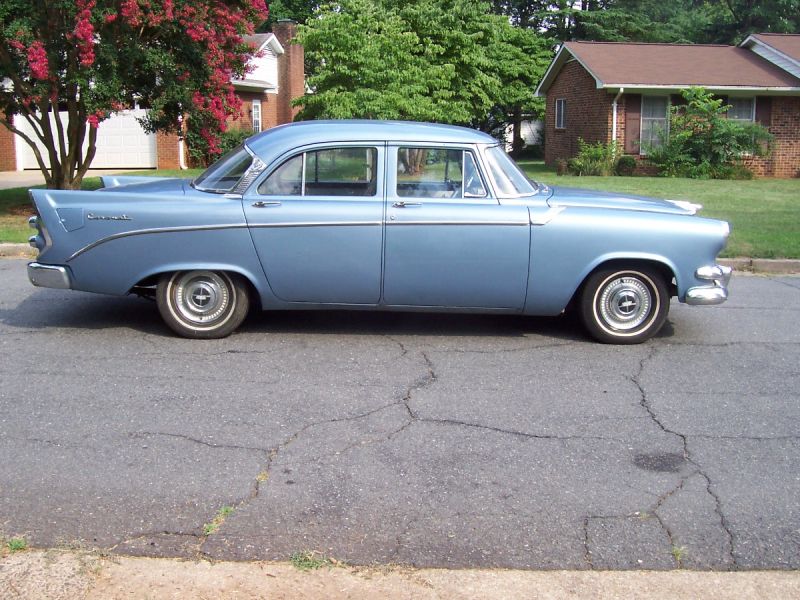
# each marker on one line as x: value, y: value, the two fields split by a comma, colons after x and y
x: 679, y: 553
x: 16, y: 544
x: 309, y: 560
x: 218, y: 520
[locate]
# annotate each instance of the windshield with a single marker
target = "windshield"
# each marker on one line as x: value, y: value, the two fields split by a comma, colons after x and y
x: 224, y: 175
x: 509, y: 179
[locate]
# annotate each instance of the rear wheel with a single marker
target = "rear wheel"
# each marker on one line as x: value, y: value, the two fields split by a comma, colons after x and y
x: 202, y: 304
x: 624, y: 305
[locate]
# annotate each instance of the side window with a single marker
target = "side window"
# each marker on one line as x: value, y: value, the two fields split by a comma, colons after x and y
x: 437, y: 173
x: 561, y: 113
x: 347, y: 171
x: 286, y: 180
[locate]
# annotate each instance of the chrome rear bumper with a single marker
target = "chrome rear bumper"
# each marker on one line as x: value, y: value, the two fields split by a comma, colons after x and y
x: 50, y: 276
x: 717, y: 292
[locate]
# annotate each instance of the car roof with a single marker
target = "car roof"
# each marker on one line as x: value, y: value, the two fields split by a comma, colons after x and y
x: 285, y: 137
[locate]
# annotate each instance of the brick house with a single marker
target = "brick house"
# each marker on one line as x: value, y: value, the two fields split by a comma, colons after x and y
x: 606, y: 91
x: 277, y: 76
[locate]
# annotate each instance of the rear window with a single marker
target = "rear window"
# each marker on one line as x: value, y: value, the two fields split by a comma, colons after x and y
x: 225, y: 174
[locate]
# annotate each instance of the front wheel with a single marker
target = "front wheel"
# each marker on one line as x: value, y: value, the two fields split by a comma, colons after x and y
x: 624, y: 306
x: 202, y: 304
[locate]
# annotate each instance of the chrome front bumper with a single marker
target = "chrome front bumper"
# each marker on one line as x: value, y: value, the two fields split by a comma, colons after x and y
x: 717, y: 292
x: 49, y: 276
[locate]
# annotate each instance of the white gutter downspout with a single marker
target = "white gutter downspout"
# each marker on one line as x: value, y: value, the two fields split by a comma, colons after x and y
x: 181, y: 152
x: 614, y: 115
x: 181, y: 155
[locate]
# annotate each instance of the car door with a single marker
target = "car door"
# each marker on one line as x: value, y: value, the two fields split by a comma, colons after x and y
x: 316, y: 220
x: 449, y: 242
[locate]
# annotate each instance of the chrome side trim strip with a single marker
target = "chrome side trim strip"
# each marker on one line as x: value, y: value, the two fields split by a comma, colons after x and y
x: 471, y: 223
x: 133, y: 232
x: 319, y: 224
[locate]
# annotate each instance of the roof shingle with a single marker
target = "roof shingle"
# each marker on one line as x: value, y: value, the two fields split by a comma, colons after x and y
x: 679, y: 65
x: 787, y: 43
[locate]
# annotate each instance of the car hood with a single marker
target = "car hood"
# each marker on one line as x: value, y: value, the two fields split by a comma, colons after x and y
x: 564, y: 196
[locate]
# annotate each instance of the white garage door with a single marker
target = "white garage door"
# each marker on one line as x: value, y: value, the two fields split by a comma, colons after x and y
x: 121, y: 143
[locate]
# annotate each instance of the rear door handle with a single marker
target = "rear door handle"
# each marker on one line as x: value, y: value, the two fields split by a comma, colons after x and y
x: 404, y: 204
x: 262, y: 204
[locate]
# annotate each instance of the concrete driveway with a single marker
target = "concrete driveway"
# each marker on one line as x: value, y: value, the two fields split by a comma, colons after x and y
x: 448, y: 441
x: 14, y: 179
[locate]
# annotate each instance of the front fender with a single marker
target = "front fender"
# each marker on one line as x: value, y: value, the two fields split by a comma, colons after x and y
x: 580, y: 239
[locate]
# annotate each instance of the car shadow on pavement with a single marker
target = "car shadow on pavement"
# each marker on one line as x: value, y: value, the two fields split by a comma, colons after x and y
x: 367, y: 322
x: 54, y: 309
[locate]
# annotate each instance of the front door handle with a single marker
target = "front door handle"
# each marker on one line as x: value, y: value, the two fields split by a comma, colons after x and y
x: 262, y: 204
x: 404, y: 204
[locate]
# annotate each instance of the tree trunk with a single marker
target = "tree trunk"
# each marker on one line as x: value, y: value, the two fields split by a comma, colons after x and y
x: 517, y: 143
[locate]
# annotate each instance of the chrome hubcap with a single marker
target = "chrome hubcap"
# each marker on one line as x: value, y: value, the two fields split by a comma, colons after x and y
x: 625, y: 303
x: 202, y: 297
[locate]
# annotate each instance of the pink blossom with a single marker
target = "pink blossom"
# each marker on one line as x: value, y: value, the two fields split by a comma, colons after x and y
x: 84, y: 32
x: 37, y: 59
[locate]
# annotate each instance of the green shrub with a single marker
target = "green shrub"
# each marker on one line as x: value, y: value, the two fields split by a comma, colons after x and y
x: 626, y: 165
x: 594, y: 159
x: 199, y: 150
x: 704, y: 144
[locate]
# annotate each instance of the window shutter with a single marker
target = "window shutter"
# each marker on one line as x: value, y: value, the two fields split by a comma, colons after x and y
x: 633, y: 118
x: 764, y: 111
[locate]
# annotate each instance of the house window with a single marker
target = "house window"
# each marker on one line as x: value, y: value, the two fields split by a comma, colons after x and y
x: 561, y: 113
x: 742, y: 109
x: 257, y: 115
x: 655, y: 124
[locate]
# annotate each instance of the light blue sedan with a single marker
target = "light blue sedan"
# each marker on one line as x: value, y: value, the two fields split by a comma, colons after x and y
x: 377, y: 215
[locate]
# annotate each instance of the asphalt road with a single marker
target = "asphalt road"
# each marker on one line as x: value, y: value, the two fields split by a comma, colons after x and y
x: 405, y: 438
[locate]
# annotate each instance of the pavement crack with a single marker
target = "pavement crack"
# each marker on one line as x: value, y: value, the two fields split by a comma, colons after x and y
x: 180, y: 436
x: 515, y: 433
x: 587, y: 553
x: 403, y: 349
x: 400, y: 538
x: 636, y: 380
x: 149, y: 535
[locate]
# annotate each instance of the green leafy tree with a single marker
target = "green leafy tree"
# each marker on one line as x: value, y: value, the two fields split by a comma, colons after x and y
x: 299, y: 11
x: 736, y: 19
x: 704, y: 143
x: 678, y: 21
x: 87, y: 59
x: 428, y: 60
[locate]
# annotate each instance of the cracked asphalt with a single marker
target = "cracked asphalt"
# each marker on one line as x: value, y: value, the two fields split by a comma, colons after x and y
x: 430, y: 440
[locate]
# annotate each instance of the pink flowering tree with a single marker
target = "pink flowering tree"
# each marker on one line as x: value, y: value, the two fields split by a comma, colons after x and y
x: 87, y: 59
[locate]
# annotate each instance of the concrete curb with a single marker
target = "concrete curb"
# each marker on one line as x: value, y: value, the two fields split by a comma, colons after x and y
x: 779, y: 266
x: 772, y: 266
x: 16, y: 251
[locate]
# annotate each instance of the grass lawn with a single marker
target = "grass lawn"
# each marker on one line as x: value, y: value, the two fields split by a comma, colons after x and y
x: 15, y: 207
x: 764, y: 213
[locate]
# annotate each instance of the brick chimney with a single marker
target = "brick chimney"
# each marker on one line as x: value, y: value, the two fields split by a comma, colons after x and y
x: 291, y: 70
